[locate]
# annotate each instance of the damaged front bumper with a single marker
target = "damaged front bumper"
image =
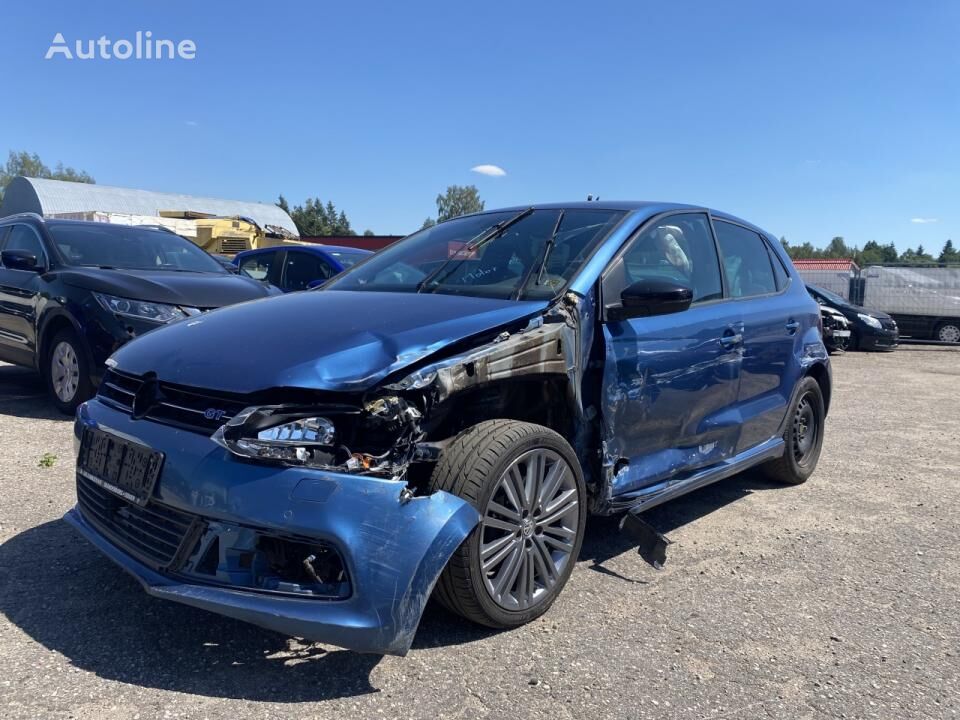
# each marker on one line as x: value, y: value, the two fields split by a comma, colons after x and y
x: 210, y: 532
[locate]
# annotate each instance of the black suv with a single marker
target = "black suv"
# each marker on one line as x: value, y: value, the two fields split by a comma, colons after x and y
x: 73, y: 292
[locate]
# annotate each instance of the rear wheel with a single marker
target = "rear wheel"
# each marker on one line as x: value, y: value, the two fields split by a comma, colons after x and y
x: 949, y: 331
x: 526, y: 483
x: 803, y: 438
x: 66, y: 372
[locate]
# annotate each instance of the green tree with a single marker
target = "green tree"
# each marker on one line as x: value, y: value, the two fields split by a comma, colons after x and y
x: 458, y: 200
x: 30, y: 165
x: 316, y: 219
x: 922, y: 256
x: 802, y: 252
x: 368, y: 233
x: 837, y: 249
x: 428, y: 223
x: 949, y: 254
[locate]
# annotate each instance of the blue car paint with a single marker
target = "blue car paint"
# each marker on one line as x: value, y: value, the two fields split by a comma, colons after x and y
x: 393, y: 550
x: 365, y: 337
x: 675, y: 408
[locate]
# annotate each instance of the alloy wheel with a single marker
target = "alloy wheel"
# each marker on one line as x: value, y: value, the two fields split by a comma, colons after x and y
x: 949, y: 333
x: 64, y: 371
x: 529, y: 529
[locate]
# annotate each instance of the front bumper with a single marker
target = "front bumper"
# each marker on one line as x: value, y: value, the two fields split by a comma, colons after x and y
x: 393, y: 551
x: 878, y: 339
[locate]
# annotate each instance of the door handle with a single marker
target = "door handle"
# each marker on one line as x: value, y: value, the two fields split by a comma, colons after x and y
x: 792, y: 326
x: 731, y: 338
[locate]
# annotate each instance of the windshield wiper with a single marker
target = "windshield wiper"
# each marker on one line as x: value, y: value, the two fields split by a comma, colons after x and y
x: 473, y: 245
x: 544, y: 256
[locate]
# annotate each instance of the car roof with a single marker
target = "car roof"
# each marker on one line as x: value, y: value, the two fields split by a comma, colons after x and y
x: 338, y: 248
x: 318, y: 249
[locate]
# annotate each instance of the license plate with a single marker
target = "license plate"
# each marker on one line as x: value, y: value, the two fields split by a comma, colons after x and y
x: 122, y: 466
x: 841, y: 333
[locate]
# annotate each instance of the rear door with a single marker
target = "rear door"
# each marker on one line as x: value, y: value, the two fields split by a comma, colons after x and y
x: 20, y: 297
x: 770, y: 326
x: 670, y: 382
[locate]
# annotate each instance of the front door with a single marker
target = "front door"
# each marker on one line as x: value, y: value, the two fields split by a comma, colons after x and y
x: 670, y: 381
x: 19, y: 297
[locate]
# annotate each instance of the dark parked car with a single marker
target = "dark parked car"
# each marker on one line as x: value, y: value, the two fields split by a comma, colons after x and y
x: 836, y: 329
x: 298, y: 268
x: 869, y: 329
x: 441, y: 418
x: 73, y: 292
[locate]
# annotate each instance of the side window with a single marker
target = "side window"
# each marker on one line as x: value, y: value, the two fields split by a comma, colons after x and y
x: 779, y: 271
x: 258, y: 266
x: 679, y: 248
x: 22, y: 237
x: 746, y: 261
x: 3, y: 235
x: 302, y: 269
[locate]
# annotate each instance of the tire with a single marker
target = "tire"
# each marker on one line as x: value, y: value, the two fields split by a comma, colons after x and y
x: 948, y: 331
x: 516, y: 535
x: 66, y: 372
x: 799, y: 458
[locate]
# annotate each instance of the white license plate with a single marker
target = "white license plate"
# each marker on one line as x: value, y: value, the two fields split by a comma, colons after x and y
x: 841, y: 333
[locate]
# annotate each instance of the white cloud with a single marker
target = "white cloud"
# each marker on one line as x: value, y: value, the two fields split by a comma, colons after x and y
x: 922, y: 221
x: 491, y: 170
x: 192, y: 123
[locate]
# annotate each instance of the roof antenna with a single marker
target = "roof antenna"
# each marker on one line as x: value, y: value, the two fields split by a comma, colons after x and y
x: 591, y: 198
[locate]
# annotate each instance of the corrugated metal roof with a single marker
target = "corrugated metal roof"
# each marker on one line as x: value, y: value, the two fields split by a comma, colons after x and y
x: 51, y: 197
x: 826, y: 264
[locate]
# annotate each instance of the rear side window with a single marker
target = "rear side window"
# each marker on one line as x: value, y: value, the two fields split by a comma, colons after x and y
x: 304, y: 268
x: 779, y: 271
x: 3, y: 235
x: 678, y: 248
x: 258, y: 266
x: 746, y: 261
x: 22, y: 237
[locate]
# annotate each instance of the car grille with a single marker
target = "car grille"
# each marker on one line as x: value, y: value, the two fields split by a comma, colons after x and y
x: 152, y: 534
x: 176, y: 405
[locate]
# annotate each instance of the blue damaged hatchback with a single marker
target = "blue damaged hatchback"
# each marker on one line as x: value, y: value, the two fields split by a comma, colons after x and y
x: 441, y: 418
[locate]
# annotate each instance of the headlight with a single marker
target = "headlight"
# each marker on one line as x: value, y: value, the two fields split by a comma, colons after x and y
x: 276, y: 433
x: 142, y: 310
x: 870, y: 320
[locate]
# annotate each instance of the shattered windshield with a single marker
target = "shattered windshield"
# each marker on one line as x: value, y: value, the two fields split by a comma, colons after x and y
x: 832, y: 297
x: 530, y: 255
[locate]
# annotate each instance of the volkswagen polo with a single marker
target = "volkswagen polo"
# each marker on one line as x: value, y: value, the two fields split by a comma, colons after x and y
x: 441, y: 418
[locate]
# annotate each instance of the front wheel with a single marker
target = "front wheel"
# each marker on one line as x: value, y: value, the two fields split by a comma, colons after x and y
x: 66, y: 372
x: 526, y: 483
x: 949, y: 331
x: 803, y: 438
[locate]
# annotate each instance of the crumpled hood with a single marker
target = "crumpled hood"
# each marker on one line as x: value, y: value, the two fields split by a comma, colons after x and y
x: 321, y: 340
x: 201, y: 290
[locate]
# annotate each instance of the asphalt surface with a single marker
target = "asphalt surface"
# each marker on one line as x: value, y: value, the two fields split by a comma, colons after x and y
x: 838, y: 598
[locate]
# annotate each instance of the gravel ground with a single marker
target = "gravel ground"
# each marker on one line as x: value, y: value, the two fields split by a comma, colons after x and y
x: 838, y: 598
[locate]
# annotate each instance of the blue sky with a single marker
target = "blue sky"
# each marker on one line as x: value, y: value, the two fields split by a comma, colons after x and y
x: 812, y: 120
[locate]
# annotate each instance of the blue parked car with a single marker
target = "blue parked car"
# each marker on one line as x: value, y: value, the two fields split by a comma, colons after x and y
x: 442, y: 417
x: 298, y: 268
